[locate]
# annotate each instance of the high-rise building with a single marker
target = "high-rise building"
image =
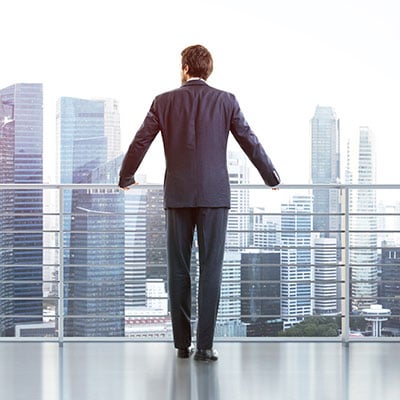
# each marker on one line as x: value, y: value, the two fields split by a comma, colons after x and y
x: 237, y: 237
x: 83, y: 147
x: 296, y: 273
x: 93, y: 221
x: 229, y: 307
x: 112, y: 128
x: 156, y: 239
x: 260, y: 292
x: 21, y: 210
x: 265, y: 230
x: 326, y: 277
x: 364, y: 253
x: 390, y: 285
x: 388, y: 223
x: 135, y: 247
x: 325, y: 169
x: 95, y: 295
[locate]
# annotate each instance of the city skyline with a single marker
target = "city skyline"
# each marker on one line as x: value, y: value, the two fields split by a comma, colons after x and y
x: 290, y: 57
x: 102, y: 270
x: 281, y: 59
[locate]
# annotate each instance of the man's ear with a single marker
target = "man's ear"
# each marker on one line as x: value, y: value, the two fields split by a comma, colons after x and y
x: 185, y: 69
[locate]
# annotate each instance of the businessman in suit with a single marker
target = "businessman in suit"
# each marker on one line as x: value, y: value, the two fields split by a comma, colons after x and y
x: 195, y: 121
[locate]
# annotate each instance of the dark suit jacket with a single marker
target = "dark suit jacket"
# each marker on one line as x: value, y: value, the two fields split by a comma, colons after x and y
x: 195, y: 121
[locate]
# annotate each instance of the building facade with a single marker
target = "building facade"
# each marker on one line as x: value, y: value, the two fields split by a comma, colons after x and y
x: 21, y: 211
x: 260, y: 293
x: 296, y: 272
x: 325, y: 169
x: 363, y: 235
x: 326, y: 277
x: 93, y: 220
x: 390, y: 284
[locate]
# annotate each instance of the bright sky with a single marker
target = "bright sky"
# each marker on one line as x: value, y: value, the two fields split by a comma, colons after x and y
x: 280, y: 57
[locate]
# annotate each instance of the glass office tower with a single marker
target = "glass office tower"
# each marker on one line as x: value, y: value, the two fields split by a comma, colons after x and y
x: 93, y: 221
x: 260, y: 292
x: 21, y: 211
x: 325, y: 169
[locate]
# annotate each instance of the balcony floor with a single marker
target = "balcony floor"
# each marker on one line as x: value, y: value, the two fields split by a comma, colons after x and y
x: 151, y: 371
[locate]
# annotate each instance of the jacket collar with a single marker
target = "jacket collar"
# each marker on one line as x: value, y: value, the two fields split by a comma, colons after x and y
x: 195, y: 82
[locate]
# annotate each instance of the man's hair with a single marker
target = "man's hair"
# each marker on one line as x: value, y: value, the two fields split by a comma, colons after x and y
x: 199, y: 61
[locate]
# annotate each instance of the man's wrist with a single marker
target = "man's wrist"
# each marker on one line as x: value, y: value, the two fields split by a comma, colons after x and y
x: 126, y: 181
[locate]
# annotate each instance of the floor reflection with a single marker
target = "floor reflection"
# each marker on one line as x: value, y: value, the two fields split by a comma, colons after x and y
x: 191, y: 380
x: 207, y: 385
x: 151, y: 371
x: 181, y: 380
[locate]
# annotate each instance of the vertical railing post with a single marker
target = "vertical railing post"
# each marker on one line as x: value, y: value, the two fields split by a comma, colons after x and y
x: 61, y: 269
x: 345, y: 202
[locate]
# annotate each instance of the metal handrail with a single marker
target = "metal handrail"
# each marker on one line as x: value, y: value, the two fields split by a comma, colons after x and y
x: 345, y: 231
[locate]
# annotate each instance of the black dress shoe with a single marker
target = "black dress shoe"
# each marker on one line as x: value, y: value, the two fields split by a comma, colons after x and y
x: 185, y: 352
x: 206, y: 355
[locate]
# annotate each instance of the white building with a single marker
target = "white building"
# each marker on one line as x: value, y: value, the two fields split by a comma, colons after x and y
x: 237, y: 237
x: 363, y: 242
x: 157, y: 296
x: 265, y: 233
x: 296, y: 260
x: 326, y: 272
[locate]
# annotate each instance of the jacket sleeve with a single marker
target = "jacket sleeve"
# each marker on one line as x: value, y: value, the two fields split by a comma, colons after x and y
x: 138, y: 148
x: 252, y: 147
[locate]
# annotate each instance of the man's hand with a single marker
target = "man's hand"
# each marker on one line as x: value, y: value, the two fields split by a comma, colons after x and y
x: 127, y: 187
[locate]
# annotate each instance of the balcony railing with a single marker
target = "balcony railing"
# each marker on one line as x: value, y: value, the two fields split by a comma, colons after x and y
x: 305, y: 262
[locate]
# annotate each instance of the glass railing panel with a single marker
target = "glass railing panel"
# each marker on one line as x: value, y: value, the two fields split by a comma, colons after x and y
x: 291, y: 268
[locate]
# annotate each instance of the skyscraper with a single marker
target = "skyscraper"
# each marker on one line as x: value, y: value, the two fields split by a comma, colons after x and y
x: 265, y: 230
x: 236, y: 240
x: 390, y: 286
x: 237, y: 237
x: 260, y: 292
x: 95, y: 294
x: 296, y: 260
x: 93, y: 221
x: 326, y: 274
x: 156, y: 238
x: 325, y: 169
x: 364, y: 253
x: 21, y: 241
x: 135, y: 247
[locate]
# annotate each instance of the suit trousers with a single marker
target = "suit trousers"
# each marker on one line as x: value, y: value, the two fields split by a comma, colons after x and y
x: 210, y: 224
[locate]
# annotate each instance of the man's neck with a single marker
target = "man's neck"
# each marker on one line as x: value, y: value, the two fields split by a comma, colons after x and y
x: 194, y: 78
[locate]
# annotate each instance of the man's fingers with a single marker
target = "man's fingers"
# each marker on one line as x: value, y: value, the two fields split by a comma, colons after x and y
x: 127, y: 187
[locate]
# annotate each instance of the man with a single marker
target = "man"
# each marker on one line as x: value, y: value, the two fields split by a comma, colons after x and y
x: 195, y: 121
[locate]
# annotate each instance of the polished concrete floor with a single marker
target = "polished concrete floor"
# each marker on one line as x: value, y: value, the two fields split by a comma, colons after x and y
x: 245, y: 371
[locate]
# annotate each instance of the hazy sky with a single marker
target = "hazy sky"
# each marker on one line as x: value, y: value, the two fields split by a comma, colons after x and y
x: 281, y: 58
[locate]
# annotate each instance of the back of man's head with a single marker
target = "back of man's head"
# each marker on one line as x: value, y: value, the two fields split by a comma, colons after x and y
x: 199, y: 61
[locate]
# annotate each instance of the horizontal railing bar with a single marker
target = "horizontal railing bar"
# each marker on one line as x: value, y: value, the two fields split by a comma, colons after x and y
x: 25, y: 281
x: 27, y: 298
x: 150, y: 316
x: 94, y: 282
x: 231, y: 213
x: 89, y: 186
x: 227, y: 264
x: 166, y: 316
x: 232, y: 297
